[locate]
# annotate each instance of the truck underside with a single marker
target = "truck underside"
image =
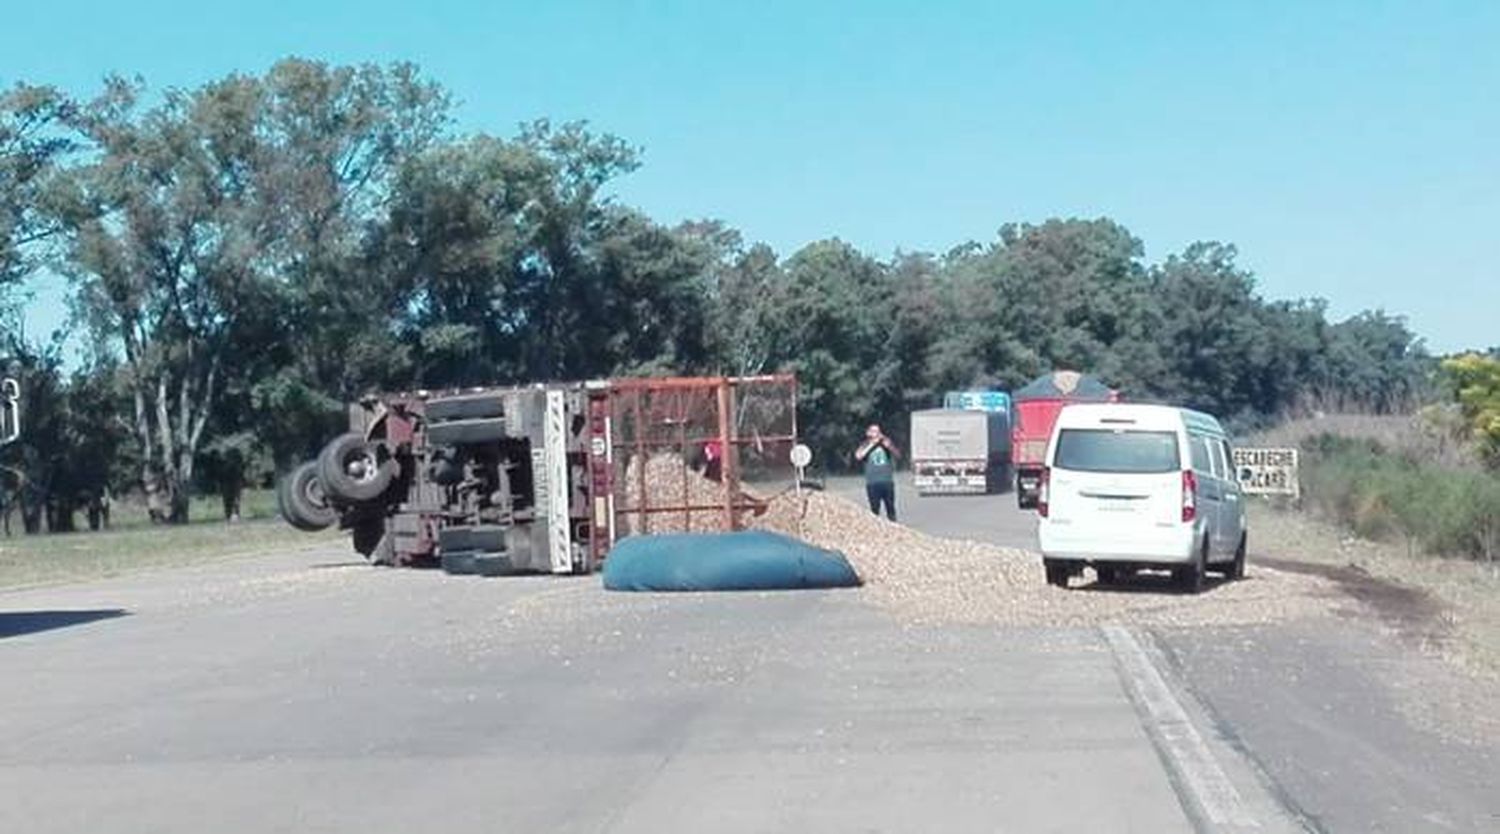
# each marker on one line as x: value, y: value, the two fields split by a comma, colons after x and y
x: 524, y: 479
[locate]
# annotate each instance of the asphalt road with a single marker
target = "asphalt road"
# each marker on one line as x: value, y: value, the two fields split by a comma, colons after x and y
x: 273, y: 694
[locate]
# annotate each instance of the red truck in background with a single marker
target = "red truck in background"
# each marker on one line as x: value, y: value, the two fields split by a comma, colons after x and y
x: 1036, y: 408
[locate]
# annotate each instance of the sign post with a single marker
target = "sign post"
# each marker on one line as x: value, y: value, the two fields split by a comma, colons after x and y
x: 1267, y: 472
x: 801, y: 457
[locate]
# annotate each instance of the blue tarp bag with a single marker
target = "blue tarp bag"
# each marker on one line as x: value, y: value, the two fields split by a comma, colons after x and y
x: 751, y: 560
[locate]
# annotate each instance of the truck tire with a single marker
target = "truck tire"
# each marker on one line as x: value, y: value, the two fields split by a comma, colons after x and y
x: 1057, y: 572
x: 353, y: 471
x: 460, y: 563
x: 491, y: 564
x: 467, y: 432
x: 302, y: 501
x: 480, y: 538
x: 465, y: 407
x: 374, y: 543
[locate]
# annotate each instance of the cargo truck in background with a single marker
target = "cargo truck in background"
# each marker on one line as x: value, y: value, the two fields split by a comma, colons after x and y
x: 957, y: 451
x: 1035, y: 407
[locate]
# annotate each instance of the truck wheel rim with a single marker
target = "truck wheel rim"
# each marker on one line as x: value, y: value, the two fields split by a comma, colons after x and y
x: 361, y: 466
x: 312, y: 491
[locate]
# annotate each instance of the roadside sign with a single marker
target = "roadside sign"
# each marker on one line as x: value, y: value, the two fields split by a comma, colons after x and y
x: 996, y: 401
x: 10, y: 411
x: 1267, y: 471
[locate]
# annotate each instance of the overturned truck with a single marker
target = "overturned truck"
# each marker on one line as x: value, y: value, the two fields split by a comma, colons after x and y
x: 541, y: 478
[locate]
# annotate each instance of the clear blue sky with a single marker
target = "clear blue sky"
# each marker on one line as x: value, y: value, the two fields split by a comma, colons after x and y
x: 1351, y: 150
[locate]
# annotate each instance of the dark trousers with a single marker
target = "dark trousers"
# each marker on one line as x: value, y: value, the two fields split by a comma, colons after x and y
x: 882, y: 494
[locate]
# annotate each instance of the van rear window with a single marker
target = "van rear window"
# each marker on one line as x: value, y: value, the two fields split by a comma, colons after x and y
x: 1136, y: 452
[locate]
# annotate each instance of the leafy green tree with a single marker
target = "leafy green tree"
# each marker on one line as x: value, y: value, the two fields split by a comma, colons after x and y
x: 34, y: 138
x: 561, y: 289
x: 917, y: 323
x: 1476, y: 383
x: 1375, y: 363
x: 455, y: 243
x: 1214, y: 338
x: 1062, y: 294
x: 515, y: 265
x: 65, y: 459
x: 747, y: 295
x: 654, y: 310
x: 208, y: 223
x: 333, y: 142
x: 839, y: 317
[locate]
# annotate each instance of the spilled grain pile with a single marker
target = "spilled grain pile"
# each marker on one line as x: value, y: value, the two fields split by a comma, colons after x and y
x: 923, y: 578
x: 671, y: 483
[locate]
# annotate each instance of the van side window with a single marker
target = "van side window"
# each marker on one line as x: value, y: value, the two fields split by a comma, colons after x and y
x: 1203, y: 460
x: 1229, y: 473
x: 1221, y: 466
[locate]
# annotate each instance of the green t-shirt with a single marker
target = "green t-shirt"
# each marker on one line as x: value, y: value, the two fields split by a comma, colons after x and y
x: 880, y: 467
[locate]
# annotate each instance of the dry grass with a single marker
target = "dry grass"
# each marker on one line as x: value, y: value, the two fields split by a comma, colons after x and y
x: 1430, y: 436
x: 75, y: 557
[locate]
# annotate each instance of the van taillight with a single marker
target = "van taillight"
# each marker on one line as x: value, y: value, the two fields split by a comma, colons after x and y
x: 1043, y: 489
x: 1189, y: 495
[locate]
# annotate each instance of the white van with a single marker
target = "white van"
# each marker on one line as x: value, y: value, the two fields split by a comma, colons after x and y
x: 1140, y: 486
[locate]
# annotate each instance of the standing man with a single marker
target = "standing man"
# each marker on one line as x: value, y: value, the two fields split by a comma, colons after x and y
x: 878, y: 455
x: 713, y: 460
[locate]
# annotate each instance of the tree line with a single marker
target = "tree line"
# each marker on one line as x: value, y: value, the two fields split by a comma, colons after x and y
x: 245, y: 257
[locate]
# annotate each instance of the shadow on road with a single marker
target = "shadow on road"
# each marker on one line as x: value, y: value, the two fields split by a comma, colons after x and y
x: 17, y: 623
x: 1151, y: 583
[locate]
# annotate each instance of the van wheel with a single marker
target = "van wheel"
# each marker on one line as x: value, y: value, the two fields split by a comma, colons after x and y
x: 1193, y: 577
x: 1236, y: 569
x: 1057, y: 572
x: 1106, y: 575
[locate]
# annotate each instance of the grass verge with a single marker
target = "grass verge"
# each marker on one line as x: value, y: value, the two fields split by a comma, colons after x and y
x: 75, y: 557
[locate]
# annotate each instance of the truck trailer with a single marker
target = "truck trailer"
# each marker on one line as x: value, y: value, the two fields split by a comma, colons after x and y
x: 1036, y: 406
x: 957, y: 451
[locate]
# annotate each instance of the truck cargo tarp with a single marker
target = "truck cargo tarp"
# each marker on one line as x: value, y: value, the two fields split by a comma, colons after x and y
x: 1063, y: 385
x: 751, y: 560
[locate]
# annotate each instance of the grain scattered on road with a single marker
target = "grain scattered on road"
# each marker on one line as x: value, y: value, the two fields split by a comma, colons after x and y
x: 925, y: 579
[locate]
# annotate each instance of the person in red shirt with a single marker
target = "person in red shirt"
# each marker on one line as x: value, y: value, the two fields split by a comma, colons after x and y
x: 713, y: 460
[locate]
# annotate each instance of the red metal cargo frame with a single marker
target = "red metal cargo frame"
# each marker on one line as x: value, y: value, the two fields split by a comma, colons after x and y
x: 677, y: 403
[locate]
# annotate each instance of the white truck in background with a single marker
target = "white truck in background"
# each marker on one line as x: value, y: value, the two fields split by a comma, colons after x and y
x: 959, y: 451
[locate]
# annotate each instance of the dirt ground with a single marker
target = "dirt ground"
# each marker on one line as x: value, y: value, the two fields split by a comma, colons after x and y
x: 1445, y: 606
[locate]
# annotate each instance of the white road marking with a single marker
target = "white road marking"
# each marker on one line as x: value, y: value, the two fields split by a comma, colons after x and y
x: 1210, y: 798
